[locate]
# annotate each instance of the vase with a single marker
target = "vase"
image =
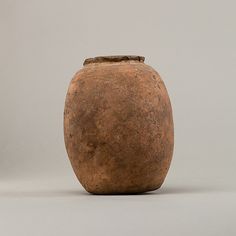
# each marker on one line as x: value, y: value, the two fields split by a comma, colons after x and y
x: 118, y: 126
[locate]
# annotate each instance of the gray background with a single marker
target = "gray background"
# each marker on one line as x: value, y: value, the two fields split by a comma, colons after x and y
x: 190, y: 43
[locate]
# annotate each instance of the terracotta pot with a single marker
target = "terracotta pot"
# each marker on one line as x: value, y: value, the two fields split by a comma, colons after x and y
x: 118, y: 126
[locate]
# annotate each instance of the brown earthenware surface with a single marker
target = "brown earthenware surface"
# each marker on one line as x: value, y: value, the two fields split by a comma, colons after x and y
x: 118, y: 126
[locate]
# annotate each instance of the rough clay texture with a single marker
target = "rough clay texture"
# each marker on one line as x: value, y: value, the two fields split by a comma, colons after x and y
x: 118, y: 127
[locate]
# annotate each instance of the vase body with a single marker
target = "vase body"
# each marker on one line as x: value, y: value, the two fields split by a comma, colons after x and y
x: 118, y: 126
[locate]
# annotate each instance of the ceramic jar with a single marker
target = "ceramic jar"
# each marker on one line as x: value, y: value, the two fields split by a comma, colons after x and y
x: 118, y: 126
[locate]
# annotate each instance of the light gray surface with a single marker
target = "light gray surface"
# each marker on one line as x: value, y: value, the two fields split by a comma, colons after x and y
x: 190, y: 43
x: 53, y: 207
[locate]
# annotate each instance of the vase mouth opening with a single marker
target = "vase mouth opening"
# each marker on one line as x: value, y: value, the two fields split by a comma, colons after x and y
x: 117, y: 58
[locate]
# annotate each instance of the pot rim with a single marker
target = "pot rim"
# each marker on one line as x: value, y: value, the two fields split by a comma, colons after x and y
x: 115, y: 58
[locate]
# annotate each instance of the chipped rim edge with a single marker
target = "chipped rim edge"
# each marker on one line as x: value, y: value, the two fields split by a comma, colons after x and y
x: 117, y: 58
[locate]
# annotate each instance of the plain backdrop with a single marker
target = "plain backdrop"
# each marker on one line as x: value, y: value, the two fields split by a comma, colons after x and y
x: 192, y: 44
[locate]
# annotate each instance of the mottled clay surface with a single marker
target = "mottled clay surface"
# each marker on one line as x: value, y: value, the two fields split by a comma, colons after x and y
x: 118, y: 126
